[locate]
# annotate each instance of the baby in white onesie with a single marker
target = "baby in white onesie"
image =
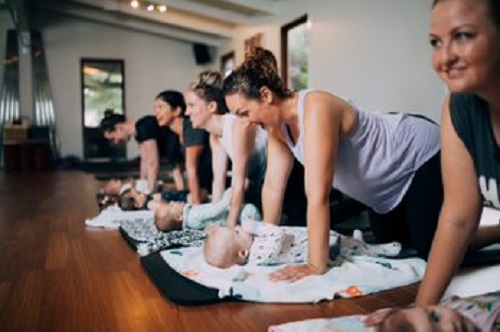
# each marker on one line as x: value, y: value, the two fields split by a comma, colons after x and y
x: 260, y: 243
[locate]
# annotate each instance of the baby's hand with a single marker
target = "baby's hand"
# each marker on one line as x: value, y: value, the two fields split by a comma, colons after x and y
x: 294, y: 273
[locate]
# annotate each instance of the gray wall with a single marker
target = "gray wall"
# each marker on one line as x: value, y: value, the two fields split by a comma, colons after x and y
x: 378, y: 55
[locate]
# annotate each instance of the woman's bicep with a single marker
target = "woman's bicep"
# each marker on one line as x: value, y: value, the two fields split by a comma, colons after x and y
x: 219, y: 160
x: 462, y: 202
x: 149, y: 150
x: 279, y: 165
x: 243, y: 140
x: 321, y: 139
x: 193, y: 156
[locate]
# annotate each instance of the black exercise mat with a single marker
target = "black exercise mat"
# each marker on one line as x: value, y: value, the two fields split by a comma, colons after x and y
x: 486, y: 256
x: 177, y: 288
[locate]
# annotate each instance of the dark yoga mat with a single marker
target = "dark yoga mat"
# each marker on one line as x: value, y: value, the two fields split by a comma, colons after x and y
x: 177, y: 288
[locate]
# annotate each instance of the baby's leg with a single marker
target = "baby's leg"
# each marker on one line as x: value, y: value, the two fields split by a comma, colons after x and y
x: 249, y: 211
x: 355, y: 245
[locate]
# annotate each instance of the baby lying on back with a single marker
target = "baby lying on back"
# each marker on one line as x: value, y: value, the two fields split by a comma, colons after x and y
x: 261, y: 243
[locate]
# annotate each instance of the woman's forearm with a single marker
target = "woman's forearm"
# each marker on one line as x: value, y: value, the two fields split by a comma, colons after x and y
x: 318, y: 225
x: 178, y: 178
x: 194, y: 187
x: 450, y: 244
x: 272, y: 202
x: 153, y: 169
x: 237, y: 201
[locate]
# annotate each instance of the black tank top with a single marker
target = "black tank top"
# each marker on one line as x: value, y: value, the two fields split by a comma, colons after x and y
x: 471, y: 119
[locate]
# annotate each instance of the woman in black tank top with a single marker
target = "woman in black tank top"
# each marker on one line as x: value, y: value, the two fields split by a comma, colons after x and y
x: 465, y: 36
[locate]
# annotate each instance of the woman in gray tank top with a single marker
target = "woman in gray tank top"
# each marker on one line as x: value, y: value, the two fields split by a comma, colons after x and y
x: 373, y: 158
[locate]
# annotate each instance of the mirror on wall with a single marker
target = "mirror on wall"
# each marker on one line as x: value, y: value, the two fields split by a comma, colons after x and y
x: 103, y: 89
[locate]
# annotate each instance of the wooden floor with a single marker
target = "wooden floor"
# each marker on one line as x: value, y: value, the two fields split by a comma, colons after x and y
x: 58, y: 275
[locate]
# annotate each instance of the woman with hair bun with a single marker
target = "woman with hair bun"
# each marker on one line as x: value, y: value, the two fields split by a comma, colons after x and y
x: 153, y: 144
x: 389, y: 162
x: 245, y: 144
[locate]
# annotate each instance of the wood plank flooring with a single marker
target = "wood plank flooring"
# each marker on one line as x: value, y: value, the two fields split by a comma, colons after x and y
x: 58, y: 275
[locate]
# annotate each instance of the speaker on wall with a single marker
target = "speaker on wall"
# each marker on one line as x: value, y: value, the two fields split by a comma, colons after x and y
x: 202, y: 54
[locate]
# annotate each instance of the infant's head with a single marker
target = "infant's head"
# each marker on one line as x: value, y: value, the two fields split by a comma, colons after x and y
x: 431, y: 318
x: 168, y: 216
x: 225, y: 247
x: 130, y: 199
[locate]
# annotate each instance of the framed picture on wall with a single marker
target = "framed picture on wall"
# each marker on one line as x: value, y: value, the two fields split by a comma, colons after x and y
x: 227, y: 63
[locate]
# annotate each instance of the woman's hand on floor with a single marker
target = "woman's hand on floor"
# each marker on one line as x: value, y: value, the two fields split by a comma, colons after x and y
x: 375, y: 318
x: 294, y: 273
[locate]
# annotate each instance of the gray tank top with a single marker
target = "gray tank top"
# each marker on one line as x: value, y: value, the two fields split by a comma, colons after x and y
x: 258, y: 159
x: 376, y: 163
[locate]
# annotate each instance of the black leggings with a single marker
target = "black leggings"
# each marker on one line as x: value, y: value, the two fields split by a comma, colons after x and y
x: 414, y: 221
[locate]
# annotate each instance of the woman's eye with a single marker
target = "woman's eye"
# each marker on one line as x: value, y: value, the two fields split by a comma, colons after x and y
x: 463, y: 36
x: 435, y: 43
x: 435, y: 318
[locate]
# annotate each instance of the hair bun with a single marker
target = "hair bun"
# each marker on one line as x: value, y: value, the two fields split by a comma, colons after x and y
x: 260, y: 59
x: 210, y: 77
x: 109, y: 112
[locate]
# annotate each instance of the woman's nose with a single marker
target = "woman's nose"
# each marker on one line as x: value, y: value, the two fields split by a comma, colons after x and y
x: 448, y: 55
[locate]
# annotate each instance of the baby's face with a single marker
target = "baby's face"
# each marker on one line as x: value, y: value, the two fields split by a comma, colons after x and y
x: 438, y: 318
x: 139, y: 198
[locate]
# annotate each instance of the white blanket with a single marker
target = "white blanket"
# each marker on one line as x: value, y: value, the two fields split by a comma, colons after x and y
x: 357, y: 276
x: 469, y: 282
x: 112, y: 216
x: 341, y: 324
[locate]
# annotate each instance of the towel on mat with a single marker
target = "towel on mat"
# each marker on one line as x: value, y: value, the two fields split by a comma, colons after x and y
x: 112, y: 216
x: 341, y: 324
x: 250, y: 283
x: 152, y: 240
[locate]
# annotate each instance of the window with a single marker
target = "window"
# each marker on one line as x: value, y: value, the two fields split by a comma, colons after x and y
x: 295, y: 53
x: 103, y: 88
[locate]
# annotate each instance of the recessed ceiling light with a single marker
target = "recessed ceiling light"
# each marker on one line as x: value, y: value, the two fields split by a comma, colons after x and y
x: 162, y: 8
x: 150, y: 7
x: 134, y: 4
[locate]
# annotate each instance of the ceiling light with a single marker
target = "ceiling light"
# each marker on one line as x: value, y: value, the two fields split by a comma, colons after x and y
x: 134, y: 4
x: 150, y: 7
x: 162, y: 8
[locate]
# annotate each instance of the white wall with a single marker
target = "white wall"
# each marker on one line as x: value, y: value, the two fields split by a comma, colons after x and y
x: 152, y: 64
x: 376, y: 54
